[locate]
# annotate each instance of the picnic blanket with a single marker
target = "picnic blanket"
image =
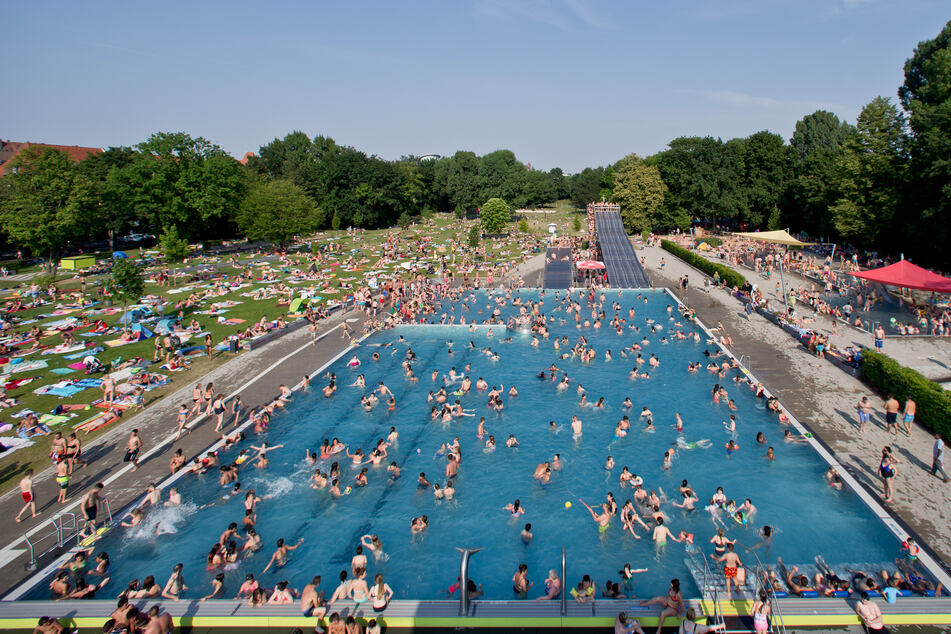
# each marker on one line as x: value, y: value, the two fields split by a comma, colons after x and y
x: 15, y: 383
x: 12, y: 443
x: 115, y: 343
x: 84, y: 353
x: 64, y: 349
x: 29, y: 366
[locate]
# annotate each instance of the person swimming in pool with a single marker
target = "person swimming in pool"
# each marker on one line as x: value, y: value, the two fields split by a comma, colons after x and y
x: 602, y: 519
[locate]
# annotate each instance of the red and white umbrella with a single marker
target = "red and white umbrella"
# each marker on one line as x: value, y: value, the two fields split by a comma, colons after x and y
x: 586, y: 265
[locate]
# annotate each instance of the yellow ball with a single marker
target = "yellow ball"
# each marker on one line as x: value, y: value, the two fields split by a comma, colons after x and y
x: 567, y: 505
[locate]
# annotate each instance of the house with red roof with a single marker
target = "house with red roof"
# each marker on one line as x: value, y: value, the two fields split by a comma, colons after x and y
x: 10, y: 149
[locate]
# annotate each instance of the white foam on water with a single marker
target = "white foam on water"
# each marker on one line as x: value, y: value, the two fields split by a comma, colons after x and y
x: 165, y: 520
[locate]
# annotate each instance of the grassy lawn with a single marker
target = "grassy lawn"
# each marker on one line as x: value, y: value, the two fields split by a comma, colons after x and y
x: 442, y: 236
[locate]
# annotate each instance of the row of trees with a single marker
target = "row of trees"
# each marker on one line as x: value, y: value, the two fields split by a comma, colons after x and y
x: 880, y: 184
x: 189, y: 189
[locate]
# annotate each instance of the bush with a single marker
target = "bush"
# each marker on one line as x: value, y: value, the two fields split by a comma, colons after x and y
x: 474, y: 234
x: 335, y: 222
x: 404, y: 220
x: 523, y: 226
x: 576, y: 223
x: 889, y: 377
x: 495, y: 215
x: 731, y: 277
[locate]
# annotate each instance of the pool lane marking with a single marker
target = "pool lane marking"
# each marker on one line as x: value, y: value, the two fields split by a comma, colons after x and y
x: 877, y: 509
x: 5, y: 556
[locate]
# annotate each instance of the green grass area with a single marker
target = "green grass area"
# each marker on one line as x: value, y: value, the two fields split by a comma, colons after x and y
x: 441, y: 236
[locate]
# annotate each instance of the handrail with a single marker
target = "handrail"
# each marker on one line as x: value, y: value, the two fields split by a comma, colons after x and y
x: 762, y: 578
x: 464, y: 579
x: 564, y: 572
x: 714, y: 593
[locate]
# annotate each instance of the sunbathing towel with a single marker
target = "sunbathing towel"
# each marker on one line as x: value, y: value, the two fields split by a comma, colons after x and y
x: 12, y: 385
x: 62, y: 370
x: 51, y: 419
x: 84, y: 353
x: 28, y: 366
x: 234, y: 321
x: 12, y: 443
x: 115, y: 343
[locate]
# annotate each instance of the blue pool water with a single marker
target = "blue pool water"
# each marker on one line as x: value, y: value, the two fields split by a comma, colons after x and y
x: 790, y: 493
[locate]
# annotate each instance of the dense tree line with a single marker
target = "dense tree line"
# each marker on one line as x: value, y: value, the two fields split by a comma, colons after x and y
x: 880, y: 184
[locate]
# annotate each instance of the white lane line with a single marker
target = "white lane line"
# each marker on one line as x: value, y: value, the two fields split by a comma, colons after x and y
x: 4, y: 560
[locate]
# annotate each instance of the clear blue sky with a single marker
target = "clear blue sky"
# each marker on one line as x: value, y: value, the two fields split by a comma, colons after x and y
x: 570, y: 83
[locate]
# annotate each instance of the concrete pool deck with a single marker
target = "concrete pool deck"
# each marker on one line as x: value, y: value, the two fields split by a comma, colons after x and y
x: 823, y: 397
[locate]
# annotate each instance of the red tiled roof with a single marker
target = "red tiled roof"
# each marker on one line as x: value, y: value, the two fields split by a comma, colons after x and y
x: 247, y: 155
x: 10, y: 149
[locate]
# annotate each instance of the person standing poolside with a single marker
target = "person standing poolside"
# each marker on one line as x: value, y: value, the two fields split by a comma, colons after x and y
x: 761, y: 612
x: 879, y: 337
x: 132, y: 449
x: 870, y: 614
x: 909, y: 414
x: 29, y: 498
x: 62, y: 479
x: 937, y: 458
x: 887, y: 470
x: 891, y: 407
x: 864, y: 409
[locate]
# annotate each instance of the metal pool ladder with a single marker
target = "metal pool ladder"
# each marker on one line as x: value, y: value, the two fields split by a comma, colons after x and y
x: 709, y: 590
x: 776, y: 618
x: 65, y: 527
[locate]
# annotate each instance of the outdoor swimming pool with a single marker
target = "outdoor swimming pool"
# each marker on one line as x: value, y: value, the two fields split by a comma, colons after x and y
x: 790, y: 493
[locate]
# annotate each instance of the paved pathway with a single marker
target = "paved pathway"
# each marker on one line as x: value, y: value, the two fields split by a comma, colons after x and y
x: 823, y: 397
x: 929, y: 355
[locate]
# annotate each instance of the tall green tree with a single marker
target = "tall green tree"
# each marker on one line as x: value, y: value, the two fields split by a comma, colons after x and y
x: 187, y: 182
x: 925, y: 96
x: 462, y: 181
x: 585, y: 186
x: 103, y: 193
x: 126, y: 283
x: 764, y: 177
x: 276, y: 211
x: 816, y: 149
x: 495, y: 215
x: 39, y: 208
x: 872, y: 174
x: 704, y: 178
x: 639, y: 190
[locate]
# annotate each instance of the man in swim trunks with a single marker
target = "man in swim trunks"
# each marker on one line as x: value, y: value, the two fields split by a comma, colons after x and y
x: 132, y: 449
x: 26, y: 492
x: 864, y: 409
x: 909, y: 414
x: 90, y: 505
x: 62, y: 479
x: 891, y: 415
x: 731, y: 566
